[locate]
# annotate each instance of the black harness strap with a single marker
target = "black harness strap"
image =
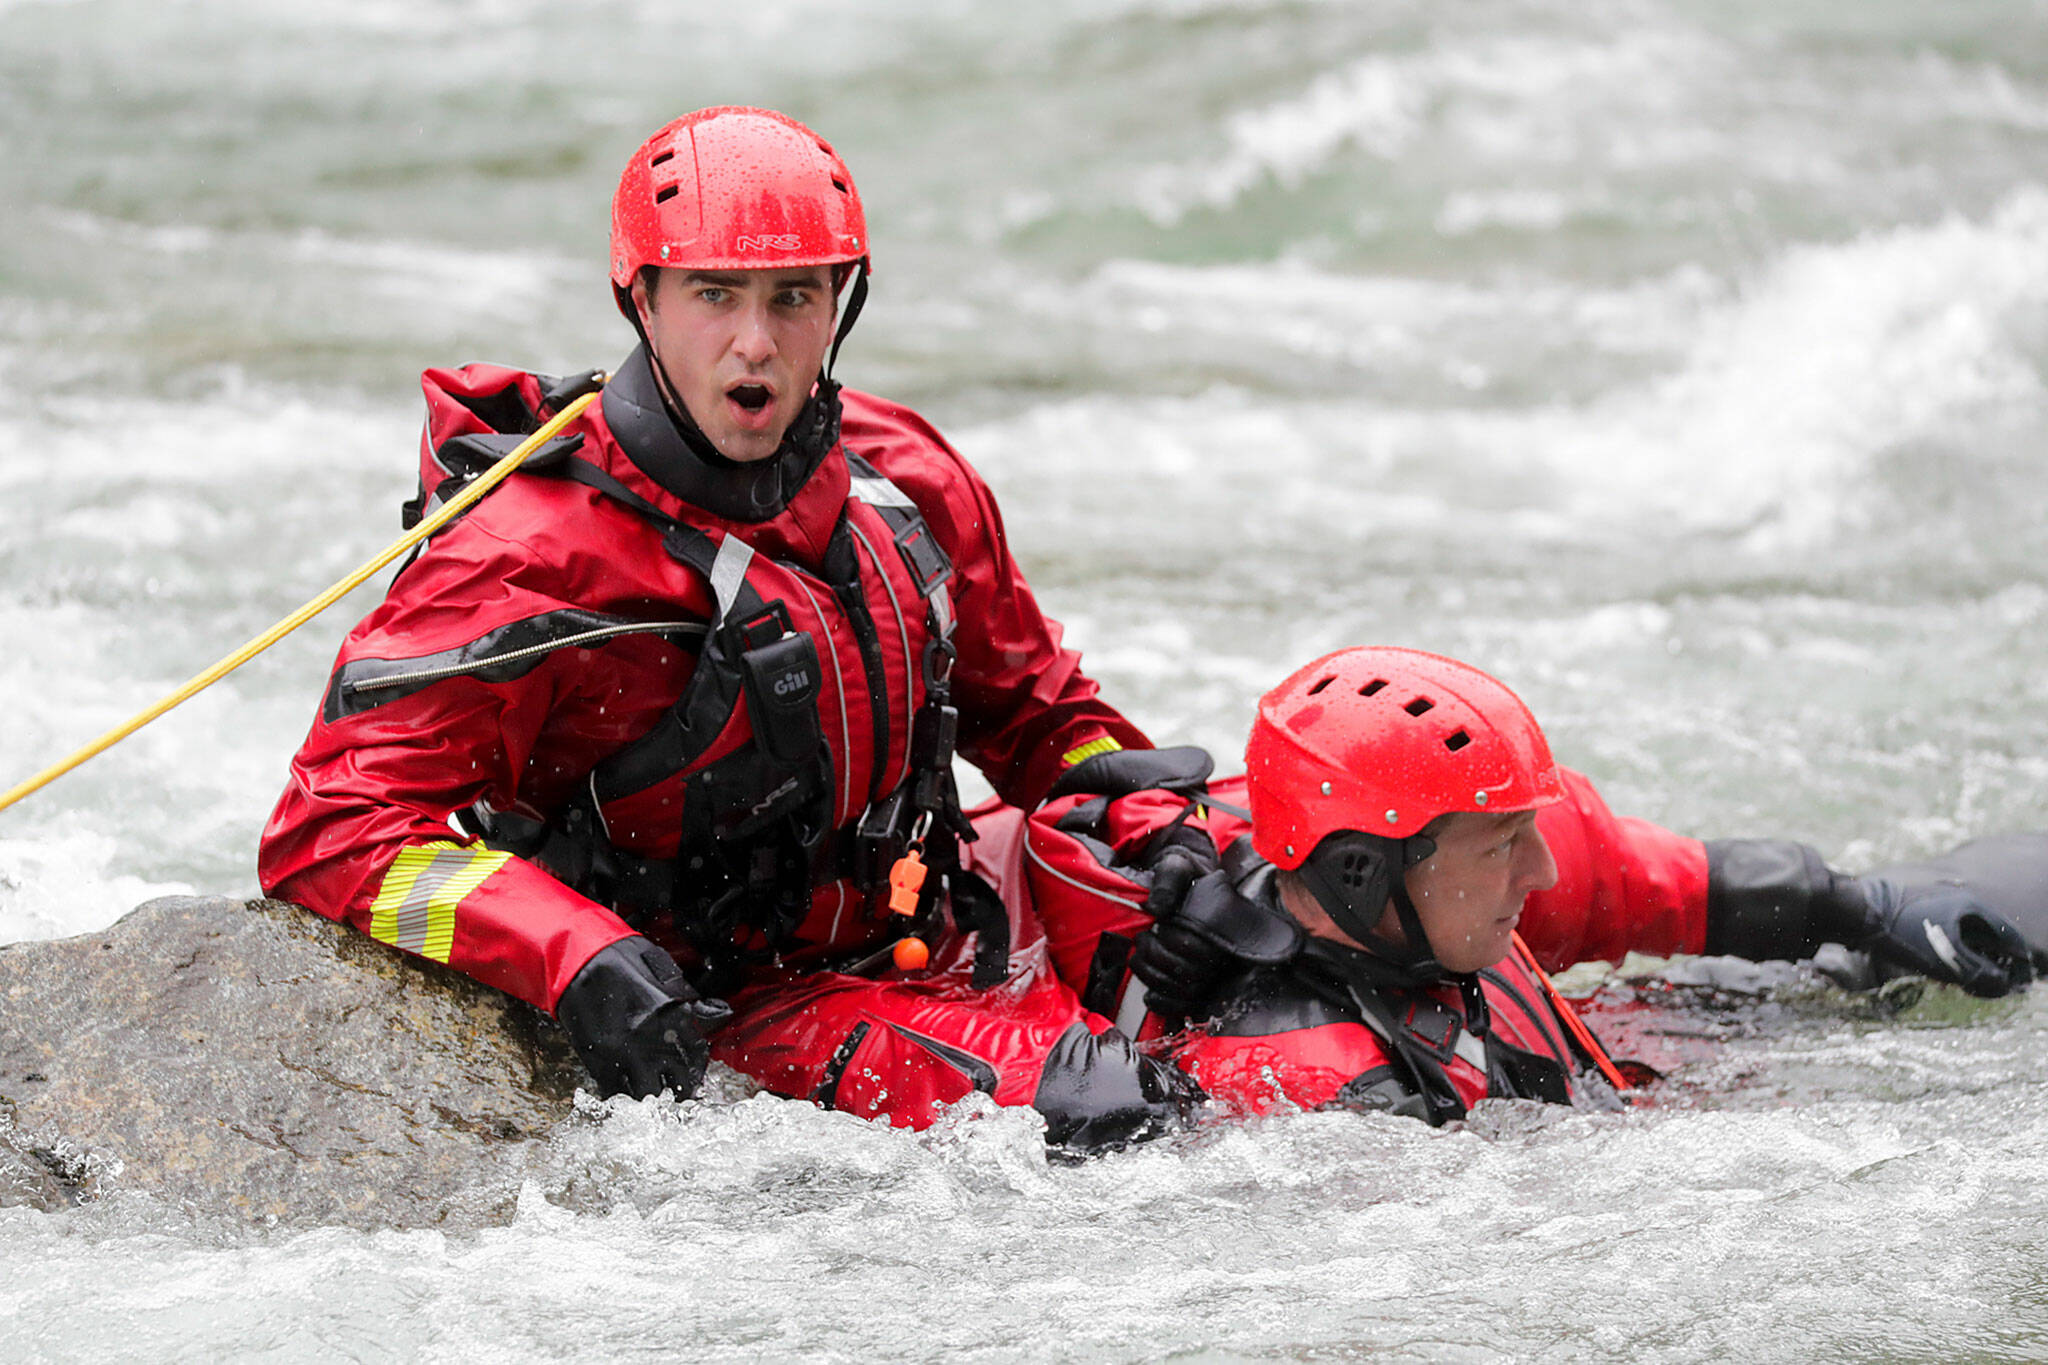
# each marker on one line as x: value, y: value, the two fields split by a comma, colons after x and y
x: 780, y: 851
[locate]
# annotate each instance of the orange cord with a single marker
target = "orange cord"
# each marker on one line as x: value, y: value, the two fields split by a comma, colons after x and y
x: 1570, y: 1015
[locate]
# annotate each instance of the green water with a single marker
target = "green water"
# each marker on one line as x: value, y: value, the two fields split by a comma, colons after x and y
x: 1680, y: 362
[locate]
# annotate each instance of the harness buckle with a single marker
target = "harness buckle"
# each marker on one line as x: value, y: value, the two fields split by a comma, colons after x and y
x: 930, y: 567
x: 763, y: 628
x: 881, y: 838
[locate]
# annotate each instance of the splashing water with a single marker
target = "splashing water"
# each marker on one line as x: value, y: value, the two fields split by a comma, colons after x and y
x: 1682, y: 364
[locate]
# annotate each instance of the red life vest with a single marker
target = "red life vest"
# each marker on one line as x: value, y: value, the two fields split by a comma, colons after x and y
x: 815, y: 693
x: 1296, y: 1034
x: 1320, y: 1033
x: 598, y: 644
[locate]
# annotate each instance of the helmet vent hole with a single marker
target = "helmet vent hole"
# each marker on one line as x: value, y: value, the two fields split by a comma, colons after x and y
x: 840, y: 185
x: 1419, y: 706
x: 1323, y: 684
x: 1457, y: 741
x: 1373, y: 688
x: 1354, y: 870
x: 660, y: 157
x: 663, y: 196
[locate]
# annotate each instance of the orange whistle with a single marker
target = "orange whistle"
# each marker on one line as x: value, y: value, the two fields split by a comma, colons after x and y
x: 910, y: 954
x: 906, y: 879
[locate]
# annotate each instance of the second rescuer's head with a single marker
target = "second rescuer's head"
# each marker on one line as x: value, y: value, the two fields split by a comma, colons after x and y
x: 1397, y: 791
x: 732, y: 232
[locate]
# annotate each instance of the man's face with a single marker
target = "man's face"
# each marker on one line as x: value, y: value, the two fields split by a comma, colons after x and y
x: 741, y: 348
x: 1469, y: 893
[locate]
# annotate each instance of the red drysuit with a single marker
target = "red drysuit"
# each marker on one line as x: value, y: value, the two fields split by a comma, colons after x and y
x: 540, y: 661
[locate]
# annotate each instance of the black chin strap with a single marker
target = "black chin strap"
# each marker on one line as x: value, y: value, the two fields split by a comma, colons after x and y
x: 1413, y: 952
x: 854, y: 302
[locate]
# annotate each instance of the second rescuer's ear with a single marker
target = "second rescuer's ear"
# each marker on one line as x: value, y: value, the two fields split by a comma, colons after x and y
x: 643, y: 296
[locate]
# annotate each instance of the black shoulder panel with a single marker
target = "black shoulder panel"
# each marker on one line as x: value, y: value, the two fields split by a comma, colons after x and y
x: 503, y: 410
x: 467, y: 457
x: 557, y: 391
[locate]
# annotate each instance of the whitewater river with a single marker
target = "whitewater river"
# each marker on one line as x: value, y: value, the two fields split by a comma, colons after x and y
x: 1683, y: 363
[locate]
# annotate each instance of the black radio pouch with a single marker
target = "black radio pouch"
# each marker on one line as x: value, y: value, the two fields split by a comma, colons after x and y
x: 780, y: 670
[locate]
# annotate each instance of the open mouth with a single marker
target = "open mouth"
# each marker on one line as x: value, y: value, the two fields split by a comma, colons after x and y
x: 752, y: 397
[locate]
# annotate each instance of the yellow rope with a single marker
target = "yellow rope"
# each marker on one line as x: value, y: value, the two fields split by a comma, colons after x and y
x: 449, y: 510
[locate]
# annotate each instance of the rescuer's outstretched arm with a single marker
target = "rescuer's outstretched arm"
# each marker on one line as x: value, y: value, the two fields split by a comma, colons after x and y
x: 1769, y: 898
x: 1622, y: 884
x: 1626, y: 884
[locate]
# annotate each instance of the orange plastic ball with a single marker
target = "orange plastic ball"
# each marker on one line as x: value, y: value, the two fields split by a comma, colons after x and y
x: 910, y: 954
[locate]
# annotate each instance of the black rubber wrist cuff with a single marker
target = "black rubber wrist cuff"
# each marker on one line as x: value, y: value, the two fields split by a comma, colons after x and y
x: 1772, y: 898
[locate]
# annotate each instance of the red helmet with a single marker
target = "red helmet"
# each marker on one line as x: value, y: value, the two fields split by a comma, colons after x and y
x: 1383, y: 741
x: 734, y: 189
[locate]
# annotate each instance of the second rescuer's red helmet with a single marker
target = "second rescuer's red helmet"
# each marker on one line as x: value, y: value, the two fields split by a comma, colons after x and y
x: 734, y: 189
x: 1384, y: 740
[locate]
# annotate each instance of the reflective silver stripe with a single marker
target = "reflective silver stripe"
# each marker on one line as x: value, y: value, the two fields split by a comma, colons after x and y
x: 728, y: 571
x: 597, y: 808
x: 1470, y: 1051
x: 879, y: 492
x: 1083, y: 887
x: 414, y: 914
x: 838, y: 911
x: 1130, y: 1015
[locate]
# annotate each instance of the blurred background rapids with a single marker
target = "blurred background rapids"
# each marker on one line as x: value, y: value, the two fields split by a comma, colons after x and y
x: 1682, y: 363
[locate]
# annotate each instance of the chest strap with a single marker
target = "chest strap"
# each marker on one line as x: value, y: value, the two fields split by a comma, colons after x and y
x: 903, y: 819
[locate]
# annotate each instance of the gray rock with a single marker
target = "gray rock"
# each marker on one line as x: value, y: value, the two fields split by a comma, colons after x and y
x: 255, y: 1060
x: 26, y: 1178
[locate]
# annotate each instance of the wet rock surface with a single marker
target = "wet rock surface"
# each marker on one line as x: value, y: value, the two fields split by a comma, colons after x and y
x: 253, y: 1059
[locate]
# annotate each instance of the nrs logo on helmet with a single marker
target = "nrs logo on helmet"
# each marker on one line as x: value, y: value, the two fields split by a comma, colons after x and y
x: 734, y: 189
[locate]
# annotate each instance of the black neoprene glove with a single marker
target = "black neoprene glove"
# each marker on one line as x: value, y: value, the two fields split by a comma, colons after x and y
x: 1944, y: 932
x: 1180, y: 966
x: 1769, y: 898
x: 1203, y: 935
x: 1120, y: 772
x: 637, y: 1024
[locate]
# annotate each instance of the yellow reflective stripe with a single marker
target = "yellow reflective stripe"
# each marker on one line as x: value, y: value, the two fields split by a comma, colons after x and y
x: 1101, y: 745
x: 415, y: 905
